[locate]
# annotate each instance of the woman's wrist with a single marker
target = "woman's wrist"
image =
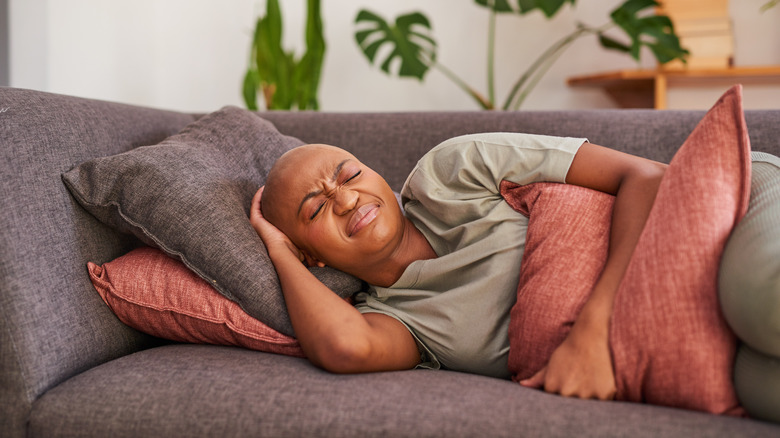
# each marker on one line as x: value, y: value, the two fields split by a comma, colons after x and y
x: 595, y: 315
x: 597, y: 311
x: 283, y: 252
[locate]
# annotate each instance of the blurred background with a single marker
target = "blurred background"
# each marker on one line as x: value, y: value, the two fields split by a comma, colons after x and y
x: 191, y: 55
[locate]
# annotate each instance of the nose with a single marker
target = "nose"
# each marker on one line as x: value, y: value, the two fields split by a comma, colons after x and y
x: 344, y: 201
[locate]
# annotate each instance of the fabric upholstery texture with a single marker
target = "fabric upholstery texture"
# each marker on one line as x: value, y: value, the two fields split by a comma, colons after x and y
x: 757, y: 382
x: 565, y: 250
x: 55, y: 331
x: 670, y: 344
x: 52, y: 323
x: 158, y: 295
x: 749, y: 283
x: 190, y: 196
x: 196, y: 390
x: 749, y: 287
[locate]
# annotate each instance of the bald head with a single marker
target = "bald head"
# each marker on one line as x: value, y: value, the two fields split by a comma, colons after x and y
x: 336, y: 210
x: 277, y: 205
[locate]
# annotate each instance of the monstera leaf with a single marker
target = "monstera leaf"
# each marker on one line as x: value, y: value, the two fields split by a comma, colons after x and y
x: 653, y: 31
x: 409, y: 39
x: 549, y: 7
x: 410, y: 42
x: 497, y: 5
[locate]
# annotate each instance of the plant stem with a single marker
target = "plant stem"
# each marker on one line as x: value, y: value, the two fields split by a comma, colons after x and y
x: 491, y: 57
x: 544, y: 62
x: 557, y: 46
x: 537, y: 76
x: 769, y: 5
x: 479, y: 98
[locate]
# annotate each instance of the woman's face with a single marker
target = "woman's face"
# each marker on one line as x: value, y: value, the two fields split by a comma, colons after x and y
x: 339, y: 211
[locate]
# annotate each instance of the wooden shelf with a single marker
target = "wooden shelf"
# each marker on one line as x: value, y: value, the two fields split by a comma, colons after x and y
x: 648, y: 88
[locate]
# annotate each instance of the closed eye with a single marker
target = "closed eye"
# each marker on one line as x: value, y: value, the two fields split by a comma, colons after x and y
x: 316, y: 212
x: 354, y: 176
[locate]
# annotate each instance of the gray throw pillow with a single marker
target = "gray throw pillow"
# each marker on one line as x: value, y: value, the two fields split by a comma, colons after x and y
x: 190, y: 197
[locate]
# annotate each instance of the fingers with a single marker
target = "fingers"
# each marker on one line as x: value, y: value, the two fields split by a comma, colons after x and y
x: 269, y: 233
x: 311, y: 261
x: 256, y: 218
x: 255, y: 206
x: 539, y: 381
x: 536, y: 381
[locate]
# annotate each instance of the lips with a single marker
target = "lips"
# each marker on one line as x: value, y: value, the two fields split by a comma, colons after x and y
x: 363, y: 216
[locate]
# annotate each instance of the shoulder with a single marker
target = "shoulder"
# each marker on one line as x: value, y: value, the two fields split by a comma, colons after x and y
x: 492, y: 153
x: 490, y: 147
x: 513, y: 139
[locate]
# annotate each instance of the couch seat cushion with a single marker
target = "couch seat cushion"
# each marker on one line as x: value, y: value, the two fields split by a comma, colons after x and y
x: 197, y: 391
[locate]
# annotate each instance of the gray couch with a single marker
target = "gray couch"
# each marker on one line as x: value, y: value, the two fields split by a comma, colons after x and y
x: 69, y: 367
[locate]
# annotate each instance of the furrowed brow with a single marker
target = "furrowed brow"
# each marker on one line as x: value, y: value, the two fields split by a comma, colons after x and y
x: 317, y: 192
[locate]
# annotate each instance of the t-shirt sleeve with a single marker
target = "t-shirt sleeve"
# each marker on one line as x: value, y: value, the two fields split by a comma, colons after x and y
x: 428, y: 360
x: 471, y: 167
x: 487, y: 159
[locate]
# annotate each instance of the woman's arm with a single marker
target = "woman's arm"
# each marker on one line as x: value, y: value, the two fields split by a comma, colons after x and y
x: 332, y: 333
x: 581, y: 366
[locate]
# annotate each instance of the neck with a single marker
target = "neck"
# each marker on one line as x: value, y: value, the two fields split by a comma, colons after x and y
x: 413, y: 246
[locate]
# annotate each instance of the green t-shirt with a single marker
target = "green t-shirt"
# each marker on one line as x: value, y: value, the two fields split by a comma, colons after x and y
x: 457, y: 305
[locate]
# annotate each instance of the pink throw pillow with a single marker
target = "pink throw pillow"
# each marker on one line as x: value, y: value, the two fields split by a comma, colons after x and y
x: 565, y: 249
x: 670, y: 343
x: 158, y: 295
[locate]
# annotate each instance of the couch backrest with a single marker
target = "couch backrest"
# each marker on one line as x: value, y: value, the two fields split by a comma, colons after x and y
x: 392, y: 143
x: 53, y: 324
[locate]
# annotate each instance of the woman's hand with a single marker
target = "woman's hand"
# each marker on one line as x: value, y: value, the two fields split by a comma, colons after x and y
x: 580, y: 367
x: 272, y: 237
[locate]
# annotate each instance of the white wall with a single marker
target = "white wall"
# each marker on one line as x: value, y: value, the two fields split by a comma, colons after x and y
x: 28, y: 43
x: 191, y: 54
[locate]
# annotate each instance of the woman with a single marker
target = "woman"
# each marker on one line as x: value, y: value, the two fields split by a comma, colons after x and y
x: 321, y: 205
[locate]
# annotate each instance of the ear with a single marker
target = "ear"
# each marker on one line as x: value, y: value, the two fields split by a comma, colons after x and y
x: 311, y: 260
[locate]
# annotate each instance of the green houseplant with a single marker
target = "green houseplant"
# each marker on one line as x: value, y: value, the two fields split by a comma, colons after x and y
x: 284, y: 80
x: 412, y: 42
